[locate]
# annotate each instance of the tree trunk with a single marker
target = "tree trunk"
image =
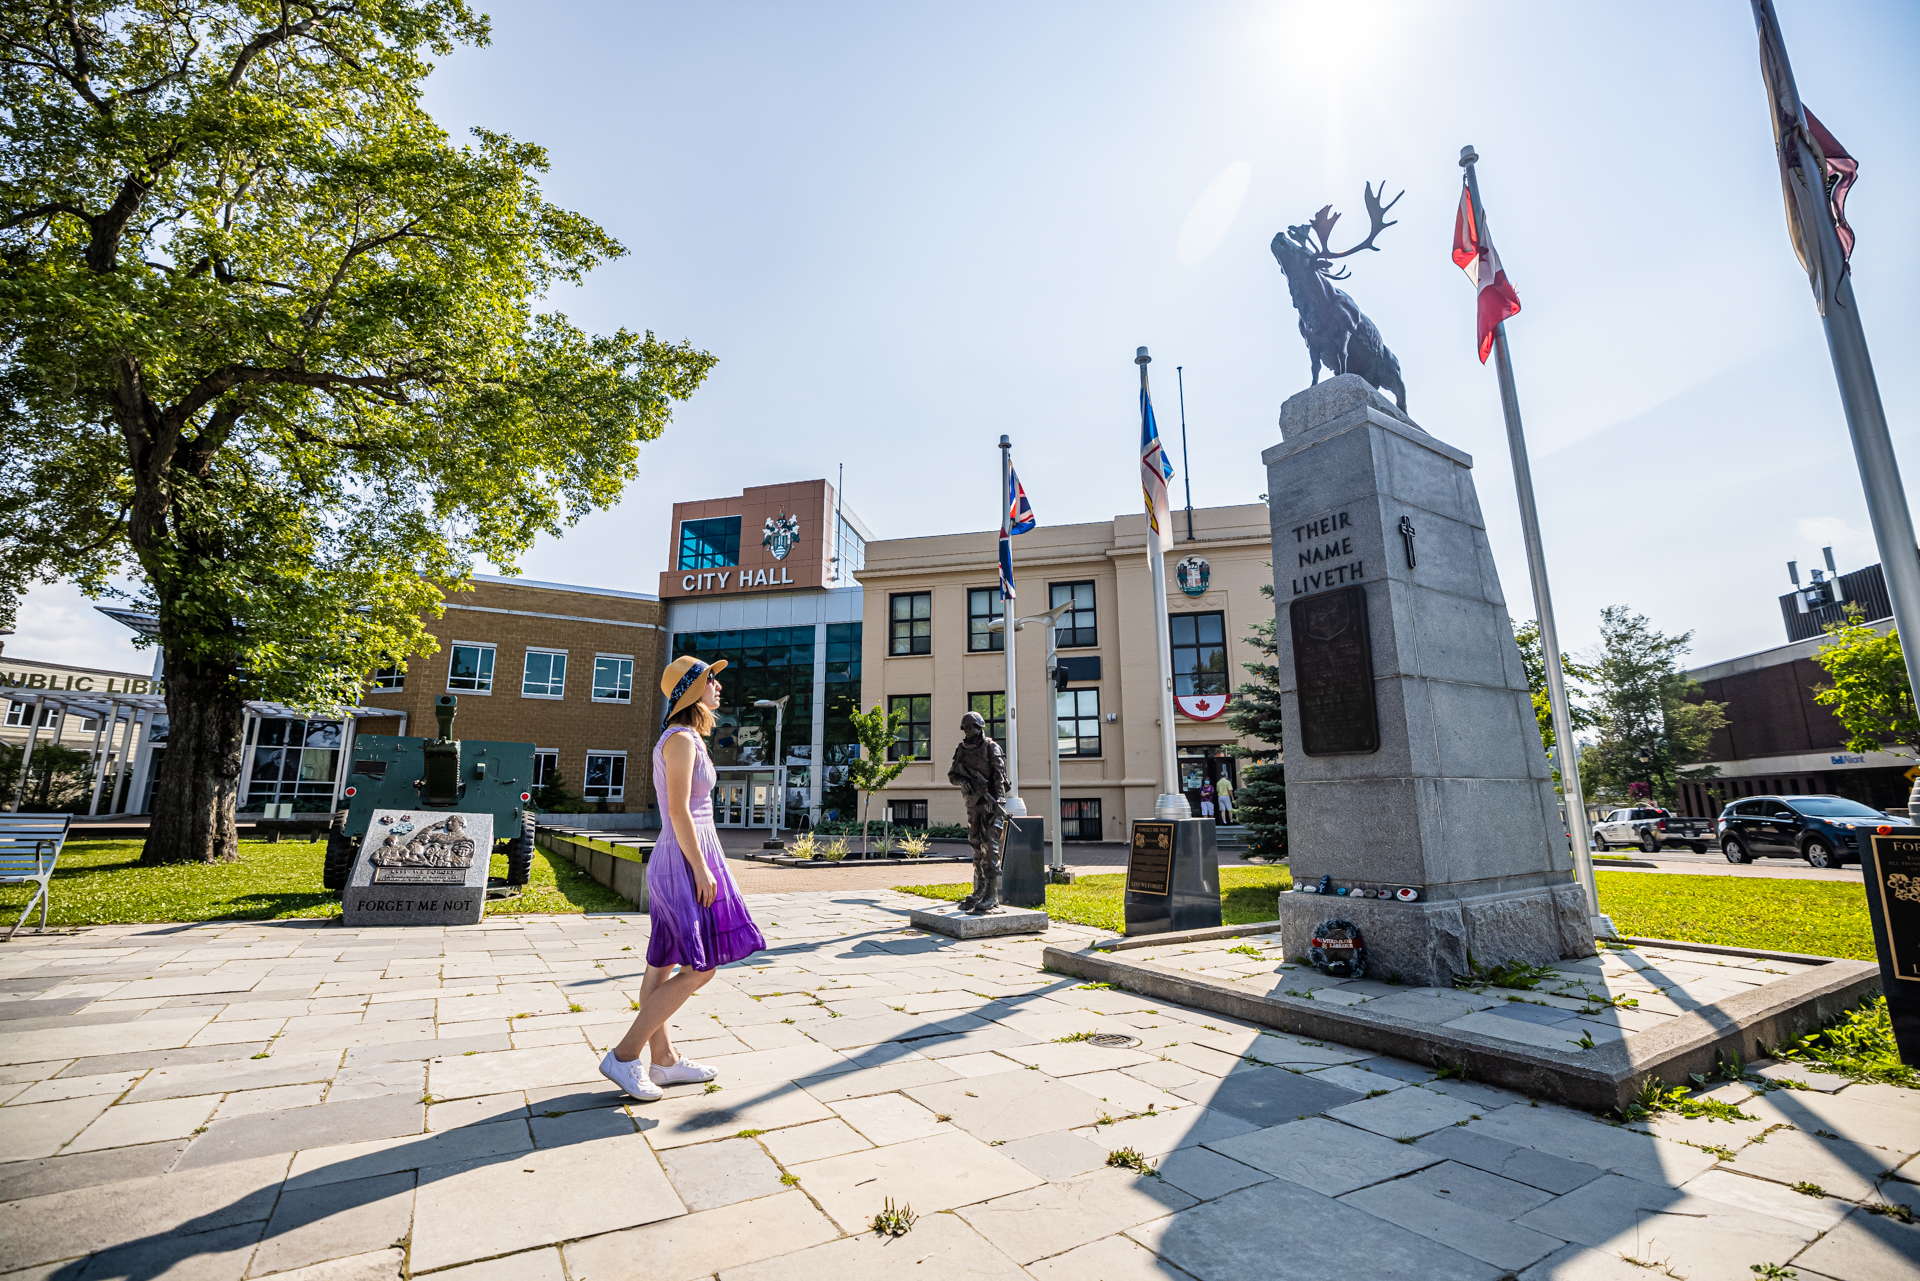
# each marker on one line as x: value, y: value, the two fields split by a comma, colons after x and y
x: 199, y: 781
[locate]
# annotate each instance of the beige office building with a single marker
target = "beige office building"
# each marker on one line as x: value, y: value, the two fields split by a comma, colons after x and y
x: 928, y: 651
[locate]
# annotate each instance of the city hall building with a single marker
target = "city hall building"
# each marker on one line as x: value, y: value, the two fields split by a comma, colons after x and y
x: 931, y: 653
x: 766, y: 580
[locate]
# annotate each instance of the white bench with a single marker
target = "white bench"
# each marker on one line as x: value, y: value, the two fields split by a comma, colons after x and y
x: 30, y: 846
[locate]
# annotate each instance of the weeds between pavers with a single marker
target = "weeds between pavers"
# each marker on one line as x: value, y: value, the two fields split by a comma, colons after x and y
x: 894, y: 1222
x: 1131, y: 1159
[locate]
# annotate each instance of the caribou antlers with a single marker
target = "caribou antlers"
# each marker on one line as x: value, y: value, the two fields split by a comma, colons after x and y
x: 1322, y: 226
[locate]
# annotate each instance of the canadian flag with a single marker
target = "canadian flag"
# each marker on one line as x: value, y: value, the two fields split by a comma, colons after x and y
x: 1200, y: 707
x: 1482, y: 265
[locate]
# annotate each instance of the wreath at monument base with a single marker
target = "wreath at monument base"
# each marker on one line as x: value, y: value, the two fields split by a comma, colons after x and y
x: 1338, y: 950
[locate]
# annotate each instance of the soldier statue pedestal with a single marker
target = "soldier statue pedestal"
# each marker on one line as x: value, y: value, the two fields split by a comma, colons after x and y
x: 1006, y: 851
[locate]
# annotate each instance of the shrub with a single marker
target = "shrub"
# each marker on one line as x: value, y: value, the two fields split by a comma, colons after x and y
x: 914, y: 846
x: 834, y: 850
x: 804, y: 846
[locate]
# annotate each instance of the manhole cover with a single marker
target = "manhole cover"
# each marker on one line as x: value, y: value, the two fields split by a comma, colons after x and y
x: 1113, y: 1041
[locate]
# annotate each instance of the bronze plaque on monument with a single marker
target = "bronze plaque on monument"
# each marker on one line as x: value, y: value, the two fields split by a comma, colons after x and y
x: 1150, y: 859
x: 1893, y: 887
x: 1333, y: 670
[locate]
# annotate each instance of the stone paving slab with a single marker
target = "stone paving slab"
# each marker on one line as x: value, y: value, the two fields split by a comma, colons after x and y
x: 434, y: 1088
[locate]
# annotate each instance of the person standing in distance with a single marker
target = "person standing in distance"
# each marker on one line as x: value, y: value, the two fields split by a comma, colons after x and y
x: 698, y: 919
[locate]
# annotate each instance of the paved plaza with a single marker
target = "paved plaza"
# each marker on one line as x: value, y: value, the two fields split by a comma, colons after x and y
x: 301, y: 1100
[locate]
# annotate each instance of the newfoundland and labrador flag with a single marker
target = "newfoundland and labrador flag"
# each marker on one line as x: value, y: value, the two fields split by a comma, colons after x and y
x: 1497, y: 300
x: 1016, y: 519
x: 1155, y: 472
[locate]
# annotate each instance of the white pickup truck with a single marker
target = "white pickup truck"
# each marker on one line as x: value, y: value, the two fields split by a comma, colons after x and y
x: 1651, y: 829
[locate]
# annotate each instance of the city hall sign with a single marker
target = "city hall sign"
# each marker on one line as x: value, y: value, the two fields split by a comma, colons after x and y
x: 720, y: 580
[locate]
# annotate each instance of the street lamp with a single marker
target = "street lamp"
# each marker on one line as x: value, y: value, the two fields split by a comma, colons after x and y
x: 1057, y: 869
x: 778, y: 809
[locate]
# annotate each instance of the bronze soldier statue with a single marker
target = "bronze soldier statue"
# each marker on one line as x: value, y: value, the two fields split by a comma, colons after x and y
x: 980, y: 772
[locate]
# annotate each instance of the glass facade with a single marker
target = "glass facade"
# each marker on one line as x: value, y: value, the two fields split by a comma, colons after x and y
x: 292, y: 761
x: 849, y: 549
x: 709, y: 544
x: 776, y: 662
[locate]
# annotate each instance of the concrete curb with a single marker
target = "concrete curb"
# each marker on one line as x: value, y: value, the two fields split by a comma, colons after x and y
x: 626, y: 877
x: 1600, y: 1079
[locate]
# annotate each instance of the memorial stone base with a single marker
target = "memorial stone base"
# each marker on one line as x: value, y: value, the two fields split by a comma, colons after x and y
x: 1023, y: 863
x: 420, y: 867
x: 963, y: 925
x: 1414, y: 760
x: 1173, y: 876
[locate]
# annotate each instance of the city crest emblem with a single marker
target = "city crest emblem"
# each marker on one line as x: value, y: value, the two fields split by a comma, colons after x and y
x: 1193, y: 574
x: 779, y: 535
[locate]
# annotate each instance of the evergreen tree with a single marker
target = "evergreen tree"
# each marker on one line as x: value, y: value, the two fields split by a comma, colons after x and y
x: 1652, y: 722
x: 1260, y: 802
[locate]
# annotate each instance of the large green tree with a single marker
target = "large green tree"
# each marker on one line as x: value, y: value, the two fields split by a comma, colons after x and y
x: 1868, y: 694
x: 1260, y: 802
x: 1577, y: 674
x: 1652, y: 724
x: 273, y: 350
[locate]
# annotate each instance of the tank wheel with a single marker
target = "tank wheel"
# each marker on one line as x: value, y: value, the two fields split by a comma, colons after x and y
x: 338, y: 865
x: 520, y: 853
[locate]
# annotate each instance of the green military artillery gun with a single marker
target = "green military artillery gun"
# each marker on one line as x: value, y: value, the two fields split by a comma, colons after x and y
x: 398, y: 771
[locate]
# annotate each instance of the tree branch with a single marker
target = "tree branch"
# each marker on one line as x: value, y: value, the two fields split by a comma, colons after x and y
x: 41, y: 211
x: 279, y: 35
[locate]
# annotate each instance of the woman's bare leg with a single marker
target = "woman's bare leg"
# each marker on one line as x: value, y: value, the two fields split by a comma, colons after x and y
x: 660, y: 1048
x: 656, y: 1008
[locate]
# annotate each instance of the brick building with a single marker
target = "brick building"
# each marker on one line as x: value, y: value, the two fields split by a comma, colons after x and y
x: 573, y: 670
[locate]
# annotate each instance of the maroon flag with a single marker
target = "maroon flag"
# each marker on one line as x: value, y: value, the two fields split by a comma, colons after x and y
x: 1840, y: 171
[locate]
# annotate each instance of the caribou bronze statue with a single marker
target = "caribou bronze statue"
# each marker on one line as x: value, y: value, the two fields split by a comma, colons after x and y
x: 1337, y: 334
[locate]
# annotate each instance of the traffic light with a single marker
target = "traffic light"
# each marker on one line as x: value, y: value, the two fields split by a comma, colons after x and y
x: 1060, y: 677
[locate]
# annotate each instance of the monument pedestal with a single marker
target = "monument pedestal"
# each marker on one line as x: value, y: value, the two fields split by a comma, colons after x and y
x: 1173, y: 876
x: 1414, y: 759
x: 1023, y: 863
x: 420, y: 867
x: 964, y: 925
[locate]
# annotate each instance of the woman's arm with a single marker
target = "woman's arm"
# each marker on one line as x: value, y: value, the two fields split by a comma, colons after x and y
x: 679, y: 754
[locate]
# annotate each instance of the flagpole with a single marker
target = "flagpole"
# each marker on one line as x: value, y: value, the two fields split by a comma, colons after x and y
x: 1886, y: 496
x: 1186, y: 469
x: 1169, y: 804
x: 1564, y: 746
x: 1015, y: 805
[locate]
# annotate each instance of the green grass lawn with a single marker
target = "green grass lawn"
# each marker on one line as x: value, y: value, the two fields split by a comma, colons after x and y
x: 1826, y: 918
x: 104, y: 883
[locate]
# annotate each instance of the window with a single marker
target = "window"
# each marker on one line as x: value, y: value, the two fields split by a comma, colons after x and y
x: 1079, y: 820
x: 292, y: 762
x: 852, y: 551
x: 1199, y: 653
x: 22, y: 714
x: 709, y: 544
x: 545, y: 675
x: 1076, y: 626
x: 389, y: 678
x: 612, y: 678
x: 606, y: 778
x: 910, y: 616
x: 993, y: 710
x: 907, y: 813
x: 546, y: 763
x: 1076, y: 714
x: 471, y: 669
x: 915, y: 741
x: 983, y: 610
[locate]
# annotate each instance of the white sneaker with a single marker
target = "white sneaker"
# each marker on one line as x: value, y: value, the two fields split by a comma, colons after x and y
x: 629, y: 1078
x: 682, y: 1072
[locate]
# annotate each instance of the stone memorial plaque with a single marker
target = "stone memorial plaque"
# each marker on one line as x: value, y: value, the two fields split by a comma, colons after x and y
x: 1150, y: 859
x: 420, y: 867
x: 1891, y: 869
x: 1333, y: 668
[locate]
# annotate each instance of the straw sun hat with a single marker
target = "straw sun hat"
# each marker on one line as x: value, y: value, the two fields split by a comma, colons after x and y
x: 684, y: 682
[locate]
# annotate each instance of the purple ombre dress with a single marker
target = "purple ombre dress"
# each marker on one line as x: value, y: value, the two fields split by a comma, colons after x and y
x: 684, y: 933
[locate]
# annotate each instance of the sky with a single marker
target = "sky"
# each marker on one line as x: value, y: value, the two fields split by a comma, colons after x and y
x: 906, y: 228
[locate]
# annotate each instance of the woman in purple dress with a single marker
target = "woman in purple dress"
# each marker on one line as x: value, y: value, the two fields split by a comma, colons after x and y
x: 698, y: 919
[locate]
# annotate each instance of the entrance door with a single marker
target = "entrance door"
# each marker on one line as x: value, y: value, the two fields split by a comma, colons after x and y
x: 730, y: 803
x: 1200, y: 766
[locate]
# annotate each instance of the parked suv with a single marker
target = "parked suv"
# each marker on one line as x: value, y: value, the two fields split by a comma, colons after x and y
x: 1827, y: 831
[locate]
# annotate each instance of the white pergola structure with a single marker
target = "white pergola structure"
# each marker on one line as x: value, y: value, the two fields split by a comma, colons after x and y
x: 122, y: 714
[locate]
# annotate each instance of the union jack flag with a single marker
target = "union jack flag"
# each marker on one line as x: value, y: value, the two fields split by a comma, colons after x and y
x: 1017, y: 519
